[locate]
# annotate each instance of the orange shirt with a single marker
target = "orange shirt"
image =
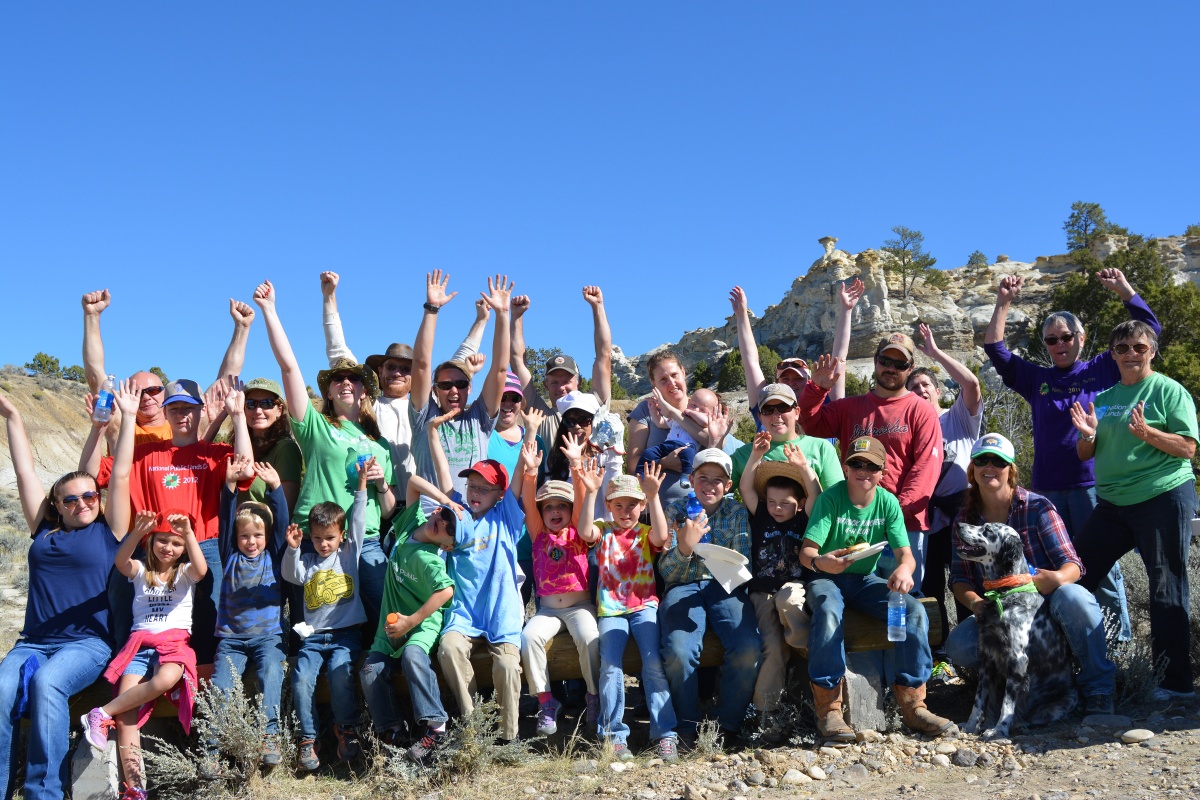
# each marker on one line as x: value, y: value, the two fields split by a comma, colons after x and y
x: 150, y: 434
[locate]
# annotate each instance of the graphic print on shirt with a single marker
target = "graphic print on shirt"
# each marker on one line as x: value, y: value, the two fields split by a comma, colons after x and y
x: 859, y: 531
x: 326, y: 588
x: 160, y: 600
x: 779, y: 555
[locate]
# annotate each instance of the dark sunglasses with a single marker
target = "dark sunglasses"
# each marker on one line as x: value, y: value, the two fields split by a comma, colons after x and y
x: 577, y: 422
x: 511, y: 397
x: 1066, y: 338
x: 346, y: 376
x: 153, y: 391
x: 894, y: 363
x: 265, y: 403
x: 1141, y: 348
x: 446, y: 386
x: 73, y: 499
x: 989, y: 461
x: 774, y: 409
x: 859, y: 465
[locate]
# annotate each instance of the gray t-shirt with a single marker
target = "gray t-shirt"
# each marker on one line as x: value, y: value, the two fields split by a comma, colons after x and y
x: 960, y: 430
x: 331, y: 592
x: 670, y: 491
x: 464, y: 439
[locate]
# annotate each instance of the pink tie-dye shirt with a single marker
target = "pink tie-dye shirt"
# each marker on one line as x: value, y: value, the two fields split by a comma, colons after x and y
x: 560, y: 562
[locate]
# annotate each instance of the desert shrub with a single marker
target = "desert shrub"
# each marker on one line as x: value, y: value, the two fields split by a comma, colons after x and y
x: 11, y: 369
x: 709, y: 740
x: 39, y: 396
x: 6, y: 386
x: 745, y: 429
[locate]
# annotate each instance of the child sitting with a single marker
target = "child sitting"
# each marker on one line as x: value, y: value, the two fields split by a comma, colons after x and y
x: 702, y: 407
x: 334, y: 611
x: 859, y: 511
x: 628, y: 602
x: 779, y: 496
x: 560, y: 573
x: 159, y: 643
x: 253, y: 540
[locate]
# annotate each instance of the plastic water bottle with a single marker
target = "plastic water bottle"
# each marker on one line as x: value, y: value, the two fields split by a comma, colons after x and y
x: 897, y: 618
x: 362, y: 453
x: 694, y: 509
x: 104, y: 400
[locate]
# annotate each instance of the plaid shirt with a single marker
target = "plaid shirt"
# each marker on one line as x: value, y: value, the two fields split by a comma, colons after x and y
x: 729, y: 527
x: 1047, y: 545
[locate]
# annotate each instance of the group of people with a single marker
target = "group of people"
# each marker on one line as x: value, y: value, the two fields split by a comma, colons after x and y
x: 403, y: 516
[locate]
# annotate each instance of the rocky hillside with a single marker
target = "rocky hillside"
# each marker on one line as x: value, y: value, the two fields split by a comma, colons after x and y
x: 55, y: 419
x: 802, y: 323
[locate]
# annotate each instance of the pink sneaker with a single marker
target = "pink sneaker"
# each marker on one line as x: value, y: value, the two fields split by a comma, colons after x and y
x: 95, y: 728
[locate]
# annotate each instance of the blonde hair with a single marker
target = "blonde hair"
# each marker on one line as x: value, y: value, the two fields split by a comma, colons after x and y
x: 253, y: 511
x: 154, y: 566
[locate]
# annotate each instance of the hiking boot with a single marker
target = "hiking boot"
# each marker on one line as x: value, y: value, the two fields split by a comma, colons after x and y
x: 1097, y: 704
x: 308, y: 755
x: 425, y: 746
x: 668, y: 749
x: 547, y: 718
x: 622, y: 751
x: 830, y: 722
x: 915, y: 715
x: 1162, y: 695
x: 95, y: 728
x: 593, y: 711
x: 347, y: 739
x: 270, y: 755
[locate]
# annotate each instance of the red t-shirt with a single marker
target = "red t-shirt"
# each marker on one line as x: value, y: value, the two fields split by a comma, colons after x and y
x: 170, y: 480
x: 908, y: 428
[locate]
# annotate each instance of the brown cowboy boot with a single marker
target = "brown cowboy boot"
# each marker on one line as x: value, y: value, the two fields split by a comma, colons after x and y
x: 830, y: 723
x: 914, y: 713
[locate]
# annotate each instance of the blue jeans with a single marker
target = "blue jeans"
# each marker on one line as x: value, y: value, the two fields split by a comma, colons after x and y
x: 376, y: 678
x: 268, y: 654
x: 204, y: 604
x: 1078, y: 614
x: 828, y: 598
x: 372, y: 568
x: 1161, y: 529
x: 65, y: 670
x: 339, y: 648
x: 664, y: 449
x: 918, y: 543
x: 684, y: 616
x: 1075, y: 506
x: 614, y: 634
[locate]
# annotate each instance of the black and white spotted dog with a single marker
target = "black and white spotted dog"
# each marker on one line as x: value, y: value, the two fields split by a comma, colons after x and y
x: 1025, y: 665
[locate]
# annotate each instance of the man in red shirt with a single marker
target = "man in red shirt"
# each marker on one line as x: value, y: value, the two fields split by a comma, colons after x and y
x: 906, y: 424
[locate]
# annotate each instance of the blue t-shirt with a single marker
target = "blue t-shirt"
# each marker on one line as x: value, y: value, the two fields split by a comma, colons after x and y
x: 68, y: 584
x: 507, y: 453
x: 251, y: 600
x: 484, y: 567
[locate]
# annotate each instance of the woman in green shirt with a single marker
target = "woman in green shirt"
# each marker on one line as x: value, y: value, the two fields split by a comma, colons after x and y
x: 271, y: 437
x: 1142, y: 433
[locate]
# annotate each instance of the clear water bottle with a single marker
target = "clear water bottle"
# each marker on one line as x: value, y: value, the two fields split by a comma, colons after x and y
x: 360, y: 455
x: 897, y: 618
x: 104, y: 400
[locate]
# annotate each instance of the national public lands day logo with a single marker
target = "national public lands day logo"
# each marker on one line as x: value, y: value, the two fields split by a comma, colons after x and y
x: 1045, y: 389
x: 171, y: 480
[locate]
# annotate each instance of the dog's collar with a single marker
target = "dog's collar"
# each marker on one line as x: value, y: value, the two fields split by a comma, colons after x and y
x: 1008, y: 582
x: 1011, y: 584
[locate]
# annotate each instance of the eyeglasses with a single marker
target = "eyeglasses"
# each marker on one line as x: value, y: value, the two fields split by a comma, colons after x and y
x: 152, y: 391
x: 1066, y: 338
x: 894, y: 363
x: 86, y: 497
x: 346, y: 376
x: 1141, y: 348
x: 446, y: 386
x: 402, y: 369
x: 577, y: 422
x: 471, y: 487
x: 859, y: 465
x: 774, y: 409
x: 511, y: 397
x: 265, y: 403
x: 989, y: 461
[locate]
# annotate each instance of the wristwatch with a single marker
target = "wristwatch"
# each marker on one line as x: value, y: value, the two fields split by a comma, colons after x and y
x: 1091, y: 438
x: 431, y: 308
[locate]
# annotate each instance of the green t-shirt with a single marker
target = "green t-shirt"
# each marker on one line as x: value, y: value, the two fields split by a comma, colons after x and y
x: 1129, y: 470
x: 414, y: 572
x: 836, y: 523
x: 288, y: 461
x: 330, y: 461
x: 821, y: 455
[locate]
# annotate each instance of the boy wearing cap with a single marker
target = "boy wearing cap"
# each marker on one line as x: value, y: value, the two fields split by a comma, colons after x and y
x: 693, y: 600
x: 779, y: 496
x: 779, y: 417
x: 855, y: 512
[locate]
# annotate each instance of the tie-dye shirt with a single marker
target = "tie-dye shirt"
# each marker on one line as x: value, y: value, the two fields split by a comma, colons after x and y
x: 626, y: 561
x: 560, y: 562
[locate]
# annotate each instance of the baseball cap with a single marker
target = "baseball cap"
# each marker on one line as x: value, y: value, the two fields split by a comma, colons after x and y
x: 555, y: 489
x: 397, y: 350
x: 868, y: 448
x: 624, y: 486
x: 714, y: 455
x: 513, y: 384
x: 490, y: 470
x: 995, y: 444
x: 897, y: 341
x: 797, y: 365
x: 584, y: 401
x: 183, y: 391
x: 264, y: 384
x: 561, y: 361
x: 777, y: 391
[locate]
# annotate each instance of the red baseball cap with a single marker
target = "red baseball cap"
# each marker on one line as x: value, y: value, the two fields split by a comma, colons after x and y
x: 490, y: 470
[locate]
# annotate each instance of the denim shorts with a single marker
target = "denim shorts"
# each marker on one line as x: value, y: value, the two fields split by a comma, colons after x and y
x: 144, y: 662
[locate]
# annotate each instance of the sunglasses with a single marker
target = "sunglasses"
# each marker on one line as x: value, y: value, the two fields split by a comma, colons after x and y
x: 265, y: 403
x: 774, y: 409
x: 859, y: 465
x: 86, y: 497
x: 511, y: 397
x: 989, y: 461
x: 153, y: 391
x: 446, y: 386
x: 346, y: 376
x: 577, y: 422
x: 1066, y: 338
x: 1141, y: 348
x: 894, y: 363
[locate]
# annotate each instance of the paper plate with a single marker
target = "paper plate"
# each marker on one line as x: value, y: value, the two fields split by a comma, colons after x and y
x: 715, y: 552
x: 873, y: 550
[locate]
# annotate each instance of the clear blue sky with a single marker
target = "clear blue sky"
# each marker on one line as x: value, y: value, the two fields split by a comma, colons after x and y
x: 178, y: 153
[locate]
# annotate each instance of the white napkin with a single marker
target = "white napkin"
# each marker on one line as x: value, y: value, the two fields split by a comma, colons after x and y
x: 303, y: 629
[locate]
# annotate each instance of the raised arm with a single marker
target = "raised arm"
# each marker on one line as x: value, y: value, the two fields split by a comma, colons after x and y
x: 94, y: 304
x: 235, y: 407
x: 235, y: 354
x: 751, y: 366
x: 144, y: 524
x: 602, y: 336
x: 1010, y: 287
x: 29, y: 486
x: 812, y: 484
x: 848, y: 295
x: 90, y: 457
x: 117, y: 510
x: 422, y: 370
x: 762, y: 443
x: 498, y: 297
x: 441, y: 466
x: 335, y: 339
x: 971, y: 394
x: 516, y: 362
x: 651, y: 482
x: 1114, y: 280
x: 197, y: 567
x: 533, y: 518
x: 418, y: 486
x: 469, y: 346
x: 589, y: 476
x: 294, y: 389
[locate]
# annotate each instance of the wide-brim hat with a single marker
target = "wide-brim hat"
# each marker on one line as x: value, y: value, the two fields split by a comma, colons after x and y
x: 370, y: 382
x: 397, y: 350
x: 777, y: 469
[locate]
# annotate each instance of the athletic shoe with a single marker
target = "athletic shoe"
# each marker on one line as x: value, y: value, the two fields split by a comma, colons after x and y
x: 347, y: 738
x: 427, y: 744
x: 308, y: 755
x: 1162, y: 695
x: 547, y: 719
x: 270, y: 755
x: 95, y: 728
x: 668, y: 749
x: 622, y: 751
x: 133, y: 793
